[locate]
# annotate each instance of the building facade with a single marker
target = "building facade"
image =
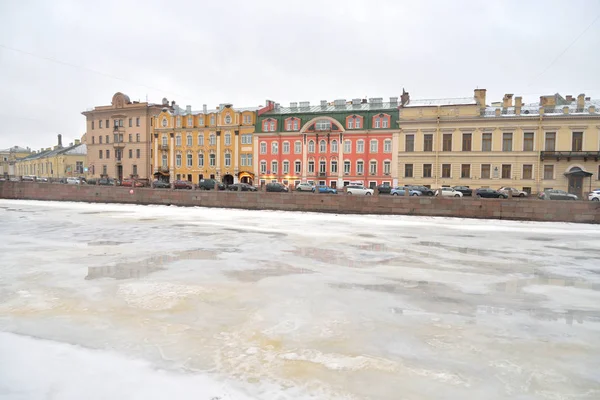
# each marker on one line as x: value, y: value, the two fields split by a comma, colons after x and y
x: 8, y: 159
x: 551, y: 144
x: 329, y: 144
x: 118, y: 138
x: 208, y: 144
x: 55, y: 162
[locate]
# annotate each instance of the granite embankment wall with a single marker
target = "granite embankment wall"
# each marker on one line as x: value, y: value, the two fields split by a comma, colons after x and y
x: 514, y: 209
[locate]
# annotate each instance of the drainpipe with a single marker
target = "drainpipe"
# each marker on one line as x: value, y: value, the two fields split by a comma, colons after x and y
x: 437, y: 149
x: 540, y: 149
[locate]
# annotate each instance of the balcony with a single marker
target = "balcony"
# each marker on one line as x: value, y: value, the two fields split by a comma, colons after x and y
x: 164, y: 169
x: 570, y: 155
x: 118, y: 161
x: 322, y: 173
x: 118, y: 145
x: 164, y: 147
x: 118, y: 129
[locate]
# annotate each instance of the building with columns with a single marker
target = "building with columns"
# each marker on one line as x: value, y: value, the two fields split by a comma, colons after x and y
x: 118, y: 138
x: 334, y: 144
x: 550, y: 144
x: 208, y: 144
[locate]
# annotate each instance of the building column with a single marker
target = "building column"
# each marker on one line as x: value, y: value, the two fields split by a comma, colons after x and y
x: 156, y: 159
x: 255, y: 161
x: 304, y: 157
x: 172, y: 157
x: 218, y: 158
x: 395, y: 158
x: 340, y: 182
x: 236, y: 168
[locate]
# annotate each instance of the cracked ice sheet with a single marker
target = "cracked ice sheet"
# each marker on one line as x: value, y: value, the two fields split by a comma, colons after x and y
x: 275, y: 305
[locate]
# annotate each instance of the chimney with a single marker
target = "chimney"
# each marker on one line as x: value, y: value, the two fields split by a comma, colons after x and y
x: 518, y: 101
x: 188, y: 109
x: 393, y: 100
x: 363, y: 101
x: 569, y: 98
x: 204, y: 109
x: 581, y: 101
x: 507, y: 100
x: 404, y: 98
x: 565, y: 109
x: 59, y: 140
x: 71, y: 144
x: 480, y: 97
x: 77, y: 142
x: 294, y: 104
x: 588, y: 98
x: 592, y: 109
x: 355, y: 102
x: 173, y: 103
x: 324, y: 103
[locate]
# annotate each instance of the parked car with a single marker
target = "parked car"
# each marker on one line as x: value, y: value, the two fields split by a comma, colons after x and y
x: 594, y: 196
x: 182, y: 185
x: 241, y: 187
x: 555, y: 194
x: 385, y: 188
x: 75, y: 181
x: 107, y: 182
x: 305, y: 187
x: 28, y: 178
x: 425, y: 191
x: 448, y: 192
x: 401, y: 191
x: 465, y: 190
x: 325, y: 189
x: 161, y: 184
x: 359, y: 189
x: 276, y: 187
x: 515, y: 192
x: 209, y: 184
x: 130, y: 183
x: 488, y: 193
x: 41, y: 179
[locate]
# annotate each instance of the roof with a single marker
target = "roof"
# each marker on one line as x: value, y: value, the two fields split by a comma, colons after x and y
x: 441, y: 102
x: 532, y: 109
x: 15, y: 149
x: 329, y: 108
x: 78, y: 149
x: 182, y: 111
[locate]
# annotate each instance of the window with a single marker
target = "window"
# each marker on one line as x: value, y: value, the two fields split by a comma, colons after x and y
x: 249, y: 156
x: 200, y: 139
x: 322, y: 146
x: 200, y: 160
x: 190, y: 160
x: 247, y: 119
x: 189, y: 140
x: 228, y: 159
x: 350, y: 124
x: 357, y: 122
x: 297, y: 167
x: 107, y: 139
x: 374, y: 145
x: 273, y: 167
x: 486, y: 142
x: 465, y: 171
x: 322, y: 167
x: 243, y: 160
x: 263, y: 167
x: 323, y: 125
x: 427, y: 170
x: 311, y: 166
x: 190, y: 121
x: 274, y: 147
x: 134, y: 169
x: 164, y: 123
x: 360, y: 146
x: 485, y: 171
x: 409, y: 143
x: 373, y: 167
x: 334, y: 146
x: 164, y: 161
x: 130, y: 153
x: 387, y: 167
x: 100, y: 153
x: 446, y: 170
x: 387, y: 146
x: 384, y: 122
x: 247, y: 139
x: 311, y: 146
x: 360, y: 167
x: 528, y: 141
x: 130, y: 122
x: 549, y: 172
x: 347, y: 146
x: 507, y: 141
x: 286, y: 147
x: 263, y: 147
x: 137, y: 121
x: 346, y: 167
x: 228, y: 119
x: 200, y: 121
x: 550, y: 141
x: 93, y: 141
x: 428, y: 142
x: 447, y: 142
x: 297, y: 147
x: 178, y: 160
x: 178, y: 140
x: 164, y: 140
x: 288, y: 125
x: 466, y: 144
x: 334, y: 167
x: 130, y: 137
x: 179, y: 121
x: 286, y: 167
x: 107, y: 153
x: 272, y: 126
x: 93, y: 125
x: 212, y: 159
x: 296, y: 124
x: 506, y: 171
x: 577, y: 141
x: 107, y: 123
x: 212, y: 119
x: 212, y: 139
x: 527, y: 171
x: 100, y: 124
x: 104, y: 170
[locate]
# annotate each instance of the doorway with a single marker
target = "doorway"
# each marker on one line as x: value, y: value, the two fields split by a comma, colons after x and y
x: 228, y: 179
x: 189, y: 177
x: 120, y: 173
x: 576, y: 185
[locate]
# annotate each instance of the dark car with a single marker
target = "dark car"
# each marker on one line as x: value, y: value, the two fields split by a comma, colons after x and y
x: 425, y: 191
x: 241, y: 187
x: 487, y: 193
x: 465, y: 190
x: 209, y: 184
x: 161, y: 185
x: 182, y: 185
x: 555, y: 194
x: 276, y: 187
x: 107, y: 182
x: 385, y: 188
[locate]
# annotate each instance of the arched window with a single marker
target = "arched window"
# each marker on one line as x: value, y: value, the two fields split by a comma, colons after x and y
x: 178, y: 140
x: 374, y: 146
x: 189, y: 140
x: 200, y: 139
x: 212, y: 159
x: 334, y: 146
x: 273, y: 167
x: 164, y: 161
x: 178, y: 160
x: 228, y: 139
x: 311, y: 166
x: 190, y: 160
x: 334, y: 167
x: 360, y: 146
x: 311, y: 146
x: 387, y: 146
x: 274, y: 148
x: 212, y: 139
x: 228, y: 159
x: 286, y: 167
x: 263, y: 147
x: 322, y: 166
x: 297, y: 147
x: 347, y: 146
x: 263, y: 167
x: 373, y: 167
x: 165, y: 140
x: 286, y: 147
x: 201, y: 160
x: 322, y: 146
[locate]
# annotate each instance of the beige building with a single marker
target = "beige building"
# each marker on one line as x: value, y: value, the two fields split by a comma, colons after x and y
x: 8, y: 159
x: 118, y: 138
x: 551, y: 144
x: 54, y: 162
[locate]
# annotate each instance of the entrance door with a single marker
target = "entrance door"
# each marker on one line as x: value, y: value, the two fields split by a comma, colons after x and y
x: 576, y: 185
x: 120, y: 173
x: 228, y: 179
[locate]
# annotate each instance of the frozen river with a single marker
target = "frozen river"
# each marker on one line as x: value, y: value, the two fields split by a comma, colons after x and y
x: 152, y: 302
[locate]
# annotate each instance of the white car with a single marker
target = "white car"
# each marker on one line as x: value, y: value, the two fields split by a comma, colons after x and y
x: 74, y: 181
x: 305, y: 187
x: 357, y: 189
x: 594, y: 196
x: 448, y: 192
x: 515, y: 192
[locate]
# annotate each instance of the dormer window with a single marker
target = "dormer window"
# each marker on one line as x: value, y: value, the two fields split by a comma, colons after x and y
x: 354, y: 122
x: 323, y: 125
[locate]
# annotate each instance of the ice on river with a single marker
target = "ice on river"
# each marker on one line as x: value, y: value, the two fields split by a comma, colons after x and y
x: 105, y: 301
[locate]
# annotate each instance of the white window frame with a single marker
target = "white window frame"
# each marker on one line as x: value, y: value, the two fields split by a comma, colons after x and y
x: 360, y: 167
x: 350, y: 124
x: 263, y: 147
x: 165, y: 161
x: 189, y: 141
x: 384, y: 122
x: 374, y: 145
x: 373, y: 170
x: 212, y: 160
x: 228, y: 159
x: 298, y: 147
x: 357, y: 122
x: 200, y: 139
x: 228, y: 139
x: 263, y: 167
x: 189, y: 160
x: 347, y: 146
x: 311, y: 146
x: 286, y: 147
x: 295, y: 124
x: 311, y: 166
x: 331, y: 166
x: 377, y: 122
x: 200, y: 160
x: 360, y: 146
x: 212, y: 139
x: 285, y: 167
x: 387, y: 167
x: 334, y: 146
x: 297, y: 167
x: 178, y: 160
x: 322, y: 146
x: 274, y: 148
x: 274, y: 167
x: 347, y: 167
x: 387, y: 146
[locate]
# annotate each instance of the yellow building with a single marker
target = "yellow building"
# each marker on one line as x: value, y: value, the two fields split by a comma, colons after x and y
x: 193, y: 145
x: 8, y: 158
x: 54, y: 163
x: 551, y: 144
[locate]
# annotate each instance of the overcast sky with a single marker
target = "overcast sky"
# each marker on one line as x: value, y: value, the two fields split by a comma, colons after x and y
x: 60, y: 57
